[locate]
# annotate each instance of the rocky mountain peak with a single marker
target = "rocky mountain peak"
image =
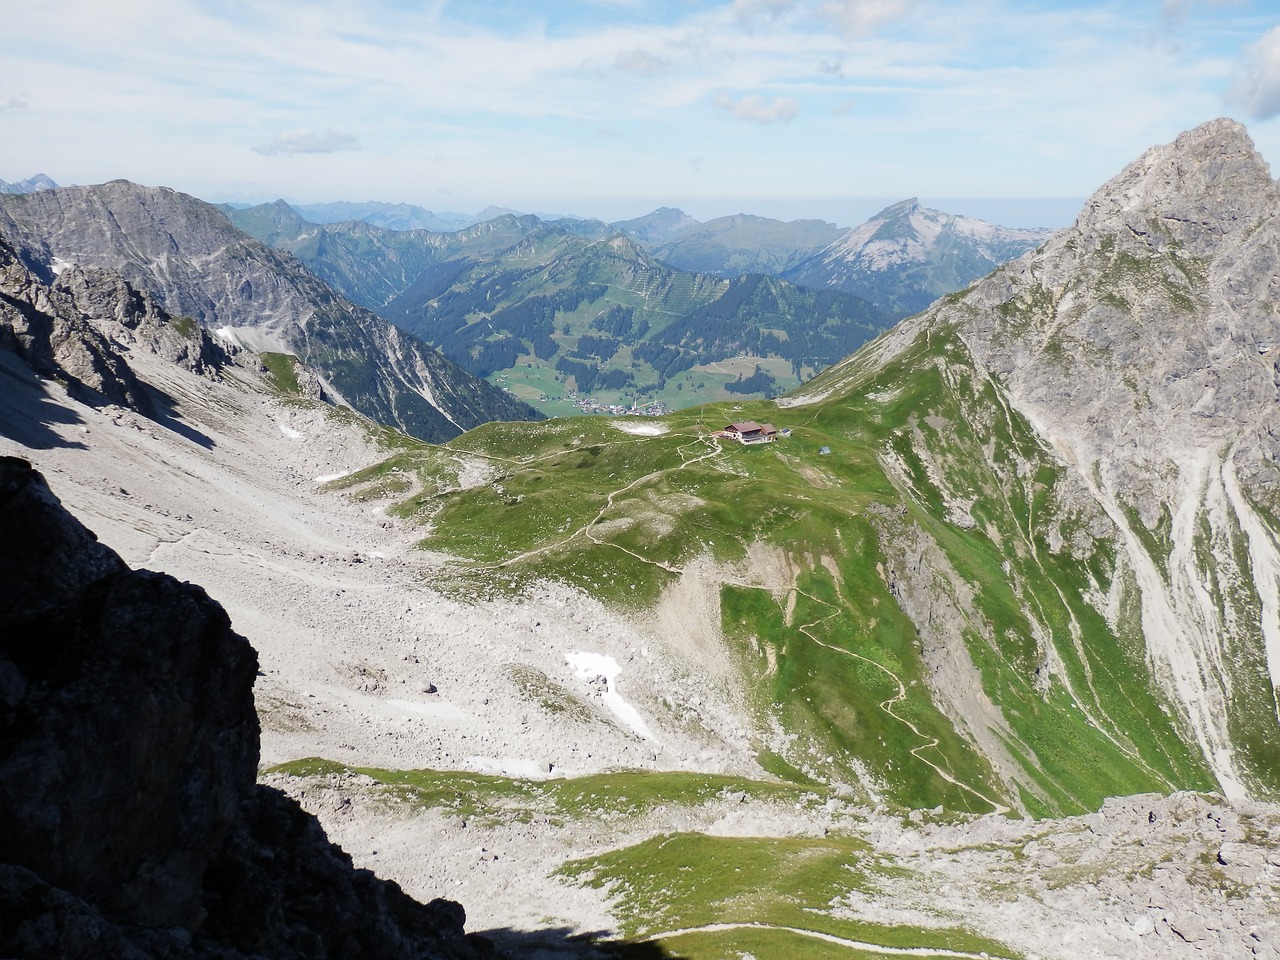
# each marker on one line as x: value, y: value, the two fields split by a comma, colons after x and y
x: 188, y: 256
x: 30, y: 185
x: 903, y: 208
x: 1209, y: 182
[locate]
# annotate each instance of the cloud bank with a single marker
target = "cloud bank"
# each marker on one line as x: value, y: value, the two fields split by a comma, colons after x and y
x: 1257, y: 92
x: 757, y: 110
x: 303, y: 140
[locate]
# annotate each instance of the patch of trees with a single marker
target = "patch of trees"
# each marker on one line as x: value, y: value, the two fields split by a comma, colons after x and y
x: 544, y: 346
x: 497, y: 354
x: 666, y: 359
x: 600, y: 347
x: 590, y: 377
x: 758, y: 382
x: 617, y: 321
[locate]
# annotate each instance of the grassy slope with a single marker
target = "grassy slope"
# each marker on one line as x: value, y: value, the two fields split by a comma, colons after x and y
x: 619, y: 515
x: 677, y: 881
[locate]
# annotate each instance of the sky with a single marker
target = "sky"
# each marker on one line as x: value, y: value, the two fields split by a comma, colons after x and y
x: 830, y: 109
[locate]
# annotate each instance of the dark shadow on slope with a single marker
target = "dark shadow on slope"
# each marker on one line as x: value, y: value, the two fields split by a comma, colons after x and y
x: 555, y: 942
x: 164, y: 412
x: 27, y: 412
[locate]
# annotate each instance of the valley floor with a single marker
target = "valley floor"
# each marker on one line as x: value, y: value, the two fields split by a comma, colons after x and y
x: 515, y: 707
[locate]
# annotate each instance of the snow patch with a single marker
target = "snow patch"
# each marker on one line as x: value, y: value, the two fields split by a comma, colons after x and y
x: 59, y: 265
x: 640, y: 429
x: 330, y: 477
x: 520, y: 767
x: 229, y: 335
x: 289, y: 432
x: 589, y: 666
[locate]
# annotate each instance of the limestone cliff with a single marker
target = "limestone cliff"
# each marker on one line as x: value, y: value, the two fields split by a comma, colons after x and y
x: 79, y: 327
x: 187, y: 255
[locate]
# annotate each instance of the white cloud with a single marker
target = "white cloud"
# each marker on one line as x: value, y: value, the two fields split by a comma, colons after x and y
x: 642, y: 62
x: 302, y: 140
x: 1257, y: 92
x: 859, y: 18
x: 748, y: 9
x: 12, y: 103
x: 755, y: 109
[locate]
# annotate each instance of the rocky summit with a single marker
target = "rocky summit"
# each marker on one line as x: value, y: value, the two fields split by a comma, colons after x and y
x: 908, y: 255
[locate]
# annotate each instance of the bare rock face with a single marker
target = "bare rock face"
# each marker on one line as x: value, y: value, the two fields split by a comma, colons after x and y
x: 80, y: 327
x: 128, y: 758
x: 43, y: 327
x: 1143, y: 347
x: 130, y: 735
x: 1148, y: 330
x: 131, y: 317
x: 188, y: 256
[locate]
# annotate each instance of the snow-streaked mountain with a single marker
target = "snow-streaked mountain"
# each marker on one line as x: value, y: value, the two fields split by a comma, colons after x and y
x: 30, y: 185
x: 908, y: 255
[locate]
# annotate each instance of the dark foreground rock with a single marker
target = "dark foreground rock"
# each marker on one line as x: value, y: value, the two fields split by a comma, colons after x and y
x: 132, y: 822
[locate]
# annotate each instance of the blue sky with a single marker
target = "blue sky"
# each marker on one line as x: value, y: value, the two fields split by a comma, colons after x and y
x: 610, y: 108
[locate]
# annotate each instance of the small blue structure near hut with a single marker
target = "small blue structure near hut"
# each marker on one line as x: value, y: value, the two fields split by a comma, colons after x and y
x: 824, y: 451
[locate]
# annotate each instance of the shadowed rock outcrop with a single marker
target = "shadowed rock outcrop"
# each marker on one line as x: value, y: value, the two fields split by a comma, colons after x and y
x: 79, y: 326
x: 128, y: 755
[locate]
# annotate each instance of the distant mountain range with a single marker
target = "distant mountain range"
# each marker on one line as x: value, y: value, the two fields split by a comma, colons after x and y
x: 30, y: 185
x: 393, y: 216
x: 901, y: 259
x: 560, y: 310
x: 661, y: 308
x: 731, y: 246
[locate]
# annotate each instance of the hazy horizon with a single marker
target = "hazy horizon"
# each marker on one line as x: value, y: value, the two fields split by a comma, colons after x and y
x: 791, y: 109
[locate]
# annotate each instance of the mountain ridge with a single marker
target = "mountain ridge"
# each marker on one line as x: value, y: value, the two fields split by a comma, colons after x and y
x: 195, y: 263
x: 1139, y: 345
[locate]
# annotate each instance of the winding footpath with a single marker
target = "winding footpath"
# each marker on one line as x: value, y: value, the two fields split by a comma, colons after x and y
x: 828, y: 938
x: 715, y: 449
x: 888, y: 705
